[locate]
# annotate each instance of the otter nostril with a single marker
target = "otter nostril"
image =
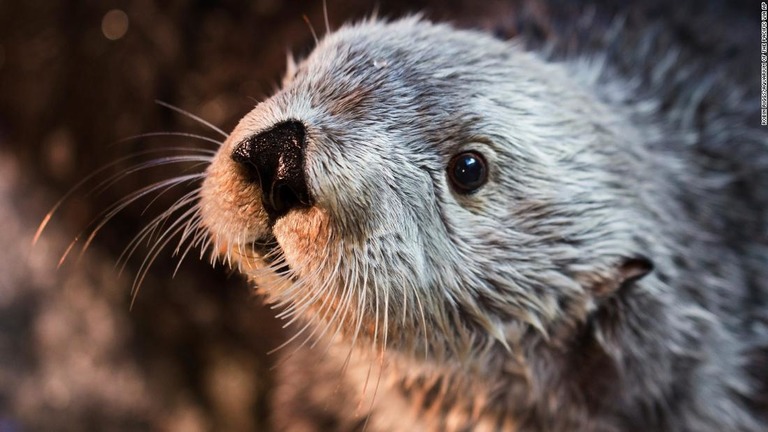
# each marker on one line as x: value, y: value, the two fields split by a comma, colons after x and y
x: 284, y: 198
x: 275, y: 159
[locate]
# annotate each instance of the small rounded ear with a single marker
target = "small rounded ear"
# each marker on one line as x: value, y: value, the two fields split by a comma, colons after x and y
x: 634, y: 269
x: 626, y: 272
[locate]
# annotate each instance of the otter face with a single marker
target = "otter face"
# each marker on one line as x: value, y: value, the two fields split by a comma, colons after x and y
x: 412, y: 185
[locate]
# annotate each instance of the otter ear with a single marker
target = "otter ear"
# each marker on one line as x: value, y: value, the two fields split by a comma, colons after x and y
x: 624, y: 273
x: 634, y: 269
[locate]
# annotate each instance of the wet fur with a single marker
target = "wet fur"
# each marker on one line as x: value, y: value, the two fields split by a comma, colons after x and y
x: 610, y: 276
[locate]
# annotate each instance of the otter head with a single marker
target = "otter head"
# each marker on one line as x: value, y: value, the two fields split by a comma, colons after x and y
x: 426, y: 189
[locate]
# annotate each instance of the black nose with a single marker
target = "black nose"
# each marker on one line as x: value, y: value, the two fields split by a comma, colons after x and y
x: 275, y: 158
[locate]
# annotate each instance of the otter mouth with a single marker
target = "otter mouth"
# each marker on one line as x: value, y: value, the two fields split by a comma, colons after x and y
x: 271, y: 252
x: 267, y: 246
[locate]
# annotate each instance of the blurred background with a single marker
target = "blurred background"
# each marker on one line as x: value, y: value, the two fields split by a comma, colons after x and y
x: 76, y: 79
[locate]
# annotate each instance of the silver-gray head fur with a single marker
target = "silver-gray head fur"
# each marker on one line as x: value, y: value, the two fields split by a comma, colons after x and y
x: 597, y: 281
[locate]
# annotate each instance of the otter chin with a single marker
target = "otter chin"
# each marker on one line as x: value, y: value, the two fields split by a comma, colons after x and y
x: 504, y: 240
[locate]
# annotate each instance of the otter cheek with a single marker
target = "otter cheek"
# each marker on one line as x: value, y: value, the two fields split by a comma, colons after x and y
x: 230, y: 206
x: 304, y: 237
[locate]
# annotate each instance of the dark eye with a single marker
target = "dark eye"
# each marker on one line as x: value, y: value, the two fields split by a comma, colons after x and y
x: 467, y: 172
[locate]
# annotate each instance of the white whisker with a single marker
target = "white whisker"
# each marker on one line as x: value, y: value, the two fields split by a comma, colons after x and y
x: 192, y: 116
x: 89, y: 178
x: 148, y: 231
x: 423, y: 324
x: 195, y: 220
x: 148, y: 260
x: 325, y: 17
x: 311, y: 29
x: 105, y: 184
x: 131, y: 198
x: 175, y: 134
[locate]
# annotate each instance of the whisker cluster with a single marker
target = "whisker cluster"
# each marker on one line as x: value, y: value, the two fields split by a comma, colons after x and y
x: 337, y: 293
x: 182, y: 221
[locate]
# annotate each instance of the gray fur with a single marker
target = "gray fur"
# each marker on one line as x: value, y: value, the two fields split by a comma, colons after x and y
x: 515, y: 307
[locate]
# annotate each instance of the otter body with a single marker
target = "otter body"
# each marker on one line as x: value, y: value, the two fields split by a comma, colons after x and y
x: 604, y: 269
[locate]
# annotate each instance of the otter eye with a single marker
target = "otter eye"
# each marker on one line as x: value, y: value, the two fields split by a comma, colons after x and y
x: 467, y: 172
